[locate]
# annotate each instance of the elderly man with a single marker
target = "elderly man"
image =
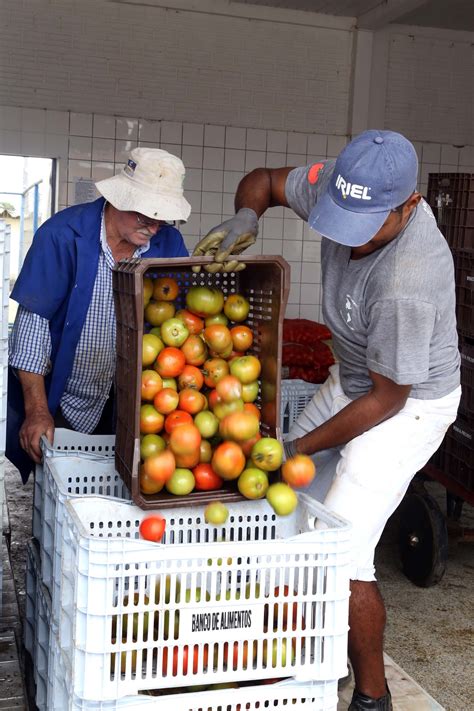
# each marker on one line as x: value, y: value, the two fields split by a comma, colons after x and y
x: 62, y: 347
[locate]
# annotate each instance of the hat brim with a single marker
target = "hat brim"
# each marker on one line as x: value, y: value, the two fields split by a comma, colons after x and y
x: 124, y: 195
x: 347, y: 227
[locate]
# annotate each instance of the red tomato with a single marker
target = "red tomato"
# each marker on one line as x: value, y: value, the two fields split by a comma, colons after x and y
x: 228, y: 460
x: 177, y: 669
x: 185, y: 439
x: 151, y: 384
x: 218, y: 338
x: 166, y: 401
x: 152, y: 528
x: 176, y: 418
x: 165, y: 289
x: 206, y: 478
x: 195, y: 350
x: 193, y: 323
x: 229, y: 388
x: 187, y: 461
x: 239, y: 426
x: 242, y: 337
x: 170, y: 362
x: 298, y: 471
x: 191, y: 400
x: 191, y: 377
x: 250, y: 407
x: 160, y: 467
x: 214, y: 369
x: 151, y: 421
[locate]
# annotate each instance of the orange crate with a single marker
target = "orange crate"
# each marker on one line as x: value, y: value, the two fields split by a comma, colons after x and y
x: 265, y: 283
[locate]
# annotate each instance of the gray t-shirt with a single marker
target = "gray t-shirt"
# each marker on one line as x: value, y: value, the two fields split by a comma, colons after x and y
x: 393, y: 311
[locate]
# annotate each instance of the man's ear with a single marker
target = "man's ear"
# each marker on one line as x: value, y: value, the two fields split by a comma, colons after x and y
x: 411, y: 203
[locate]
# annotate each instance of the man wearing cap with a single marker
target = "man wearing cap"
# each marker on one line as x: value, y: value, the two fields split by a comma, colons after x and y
x: 62, y: 346
x: 389, y: 300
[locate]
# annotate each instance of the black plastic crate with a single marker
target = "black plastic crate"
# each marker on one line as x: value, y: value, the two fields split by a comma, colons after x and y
x: 464, y: 275
x: 466, y: 347
x: 455, y: 457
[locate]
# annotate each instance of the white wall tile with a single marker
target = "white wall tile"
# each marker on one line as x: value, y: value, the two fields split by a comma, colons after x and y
x: 171, y: 132
x: 213, y: 180
x: 255, y: 248
x: 234, y: 159
x: 431, y: 153
x: 192, y: 156
x: 193, y: 179
x: 310, y: 311
x: 335, y: 145
x: 272, y: 228
x: 292, y: 249
x: 235, y: 137
x: 256, y: 139
x: 192, y: 226
x: 466, y: 158
x: 33, y: 120
x: 194, y: 198
x: 232, y: 180
x: 311, y: 252
x: 311, y: 273
x: 103, y: 149
x: 193, y: 134
x: 213, y: 158
x: 296, y: 159
x: 174, y: 148
x: 80, y: 124
x: 275, y: 160
x: 33, y: 144
x: 57, y: 122
x: 228, y: 203
x: 294, y: 295
x: 272, y: 246
x: 426, y: 169
x: 276, y: 141
x: 56, y: 146
x: 80, y: 147
x: 100, y: 171
x: 309, y: 293
x: 126, y: 129
x: 211, y: 203
x: 103, y: 126
x: 78, y: 169
x: 292, y: 311
x: 122, y: 150
x: 450, y: 154
x: 10, y: 142
x: 254, y: 159
x: 208, y: 222
x: 297, y: 142
x: 149, y: 131
x: 293, y: 229
x: 10, y: 118
x: 214, y: 136
x: 295, y: 268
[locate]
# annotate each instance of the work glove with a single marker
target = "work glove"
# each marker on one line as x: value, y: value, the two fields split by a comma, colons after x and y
x: 289, y: 449
x: 231, y: 237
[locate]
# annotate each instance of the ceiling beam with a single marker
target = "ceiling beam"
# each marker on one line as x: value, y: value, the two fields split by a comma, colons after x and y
x: 387, y: 11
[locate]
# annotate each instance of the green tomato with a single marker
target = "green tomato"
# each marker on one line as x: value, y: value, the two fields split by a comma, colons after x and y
x: 181, y: 483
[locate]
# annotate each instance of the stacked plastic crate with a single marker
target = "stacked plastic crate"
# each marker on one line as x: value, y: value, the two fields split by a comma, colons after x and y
x: 451, y: 196
x: 259, y: 603
x: 4, y: 295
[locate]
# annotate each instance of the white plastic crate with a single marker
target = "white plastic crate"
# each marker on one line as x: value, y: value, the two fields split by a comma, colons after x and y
x: 67, y: 443
x: 38, y: 628
x: 131, y: 609
x: 64, y: 478
x: 295, y: 395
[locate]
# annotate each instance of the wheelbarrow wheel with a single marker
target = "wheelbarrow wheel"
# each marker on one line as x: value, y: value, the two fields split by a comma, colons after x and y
x: 423, y: 539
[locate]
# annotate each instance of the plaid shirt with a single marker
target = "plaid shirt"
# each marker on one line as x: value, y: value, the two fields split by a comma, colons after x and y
x: 88, y: 386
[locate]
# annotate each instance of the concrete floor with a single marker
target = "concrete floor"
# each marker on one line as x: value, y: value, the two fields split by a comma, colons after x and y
x: 429, y: 637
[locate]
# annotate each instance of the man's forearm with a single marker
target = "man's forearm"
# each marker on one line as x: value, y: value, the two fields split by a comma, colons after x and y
x: 34, y: 392
x: 262, y: 188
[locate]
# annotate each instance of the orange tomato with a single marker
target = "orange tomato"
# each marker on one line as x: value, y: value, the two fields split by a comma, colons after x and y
x: 185, y: 439
x: 191, y: 377
x: 298, y: 471
x: 194, y: 350
x: 170, y: 362
x: 229, y: 388
x: 214, y: 369
x: 250, y: 407
x: 149, y: 485
x: 160, y: 467
x: 151, y: 384
x: 247, y: 445
x: 166, y: 401
x: 213, y: 398
x: 193, y: 323
x: 206, y: 478
x: 191, y: 401
x: 239, y: 426
x: 151, y: 421
x: 177, y: 418
x: 218, y: 338
x: 165, y: 289
x: 242, y: 337
x: 187, y: 461
x: 228, y: 460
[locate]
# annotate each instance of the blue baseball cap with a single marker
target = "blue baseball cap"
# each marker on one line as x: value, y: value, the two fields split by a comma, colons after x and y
x: 373, y: 174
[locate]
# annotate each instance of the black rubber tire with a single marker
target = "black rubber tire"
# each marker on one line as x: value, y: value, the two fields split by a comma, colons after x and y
x: 423, y: 539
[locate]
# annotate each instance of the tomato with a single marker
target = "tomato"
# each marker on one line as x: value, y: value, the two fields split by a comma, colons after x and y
x: 152, y: 528
x: 148, y: 485
x: 236, y: 308
x: 242, y: 337
x: 174, y: 332
x: 193, y: 323
x: 246, y: 369
x: 204, y: 301
x: 187, y: 461
x: 156, y: 331
x: 228, y: 460
x: 170, y: 362
x: 170, y: 383
x: 160, y: 467
x: 151, y: 346
x: 207, y: 423
x: 191, y: 377
x: 222, y: 409
x: 147, y: 290
x: 280, y: 611
x: 282, y: 498
x: 151, y: 421
x: 185, y: 439
x: 183, y: 667
x: 247, y: 445
x: 250, y: 407
x: 205, y: 451
x: 191, y: 400
x: 166, y: 401
x: 253, y: 483
x: 218, y: 318
x: 298, y: 471
x: 267, y: 454
x: 195, y: 350
x: 229, y: 388
x: 234, y: 354
x: 250, y: 391
x: 177, y: 418
x: 151, y: 384
x: 206, y: 478
x: 239, y: 654
x: 151, y: 444
x: 165, y: 289
x: 221, y: 354
x: 218, y: 338
x: 213, y: 398
x: 216, y: 513
x: 239, y: 426
x: 181, y: 483
x: 158, y: 311
x: 214, y: 369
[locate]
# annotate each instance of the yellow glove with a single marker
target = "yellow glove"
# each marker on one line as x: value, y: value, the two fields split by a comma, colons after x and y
x: 231, y: 237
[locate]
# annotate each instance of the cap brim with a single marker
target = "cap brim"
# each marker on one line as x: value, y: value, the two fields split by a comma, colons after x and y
x: 126, y: 196
x: 347, y: 227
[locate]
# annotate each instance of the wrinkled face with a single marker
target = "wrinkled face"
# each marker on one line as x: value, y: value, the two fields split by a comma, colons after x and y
x: 133, y: 227
x: 392, y: 227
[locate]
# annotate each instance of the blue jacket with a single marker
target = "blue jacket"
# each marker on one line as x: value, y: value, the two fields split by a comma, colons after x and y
x: 56, y: 282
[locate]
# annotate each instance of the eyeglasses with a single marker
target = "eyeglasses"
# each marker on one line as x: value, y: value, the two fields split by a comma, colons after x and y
x: 145, y: 221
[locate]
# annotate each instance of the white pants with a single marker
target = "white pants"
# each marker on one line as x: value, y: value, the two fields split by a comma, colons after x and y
x: 364, y: 480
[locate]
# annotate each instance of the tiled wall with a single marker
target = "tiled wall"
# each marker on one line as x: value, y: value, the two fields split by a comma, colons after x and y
x: 92, y: 146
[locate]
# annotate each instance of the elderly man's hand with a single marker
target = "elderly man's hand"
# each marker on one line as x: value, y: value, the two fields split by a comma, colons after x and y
x: 231, y: 237
x: 34, y: 426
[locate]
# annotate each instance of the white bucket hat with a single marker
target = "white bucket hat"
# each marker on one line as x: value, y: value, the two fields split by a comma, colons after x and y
x: 151, y: 183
